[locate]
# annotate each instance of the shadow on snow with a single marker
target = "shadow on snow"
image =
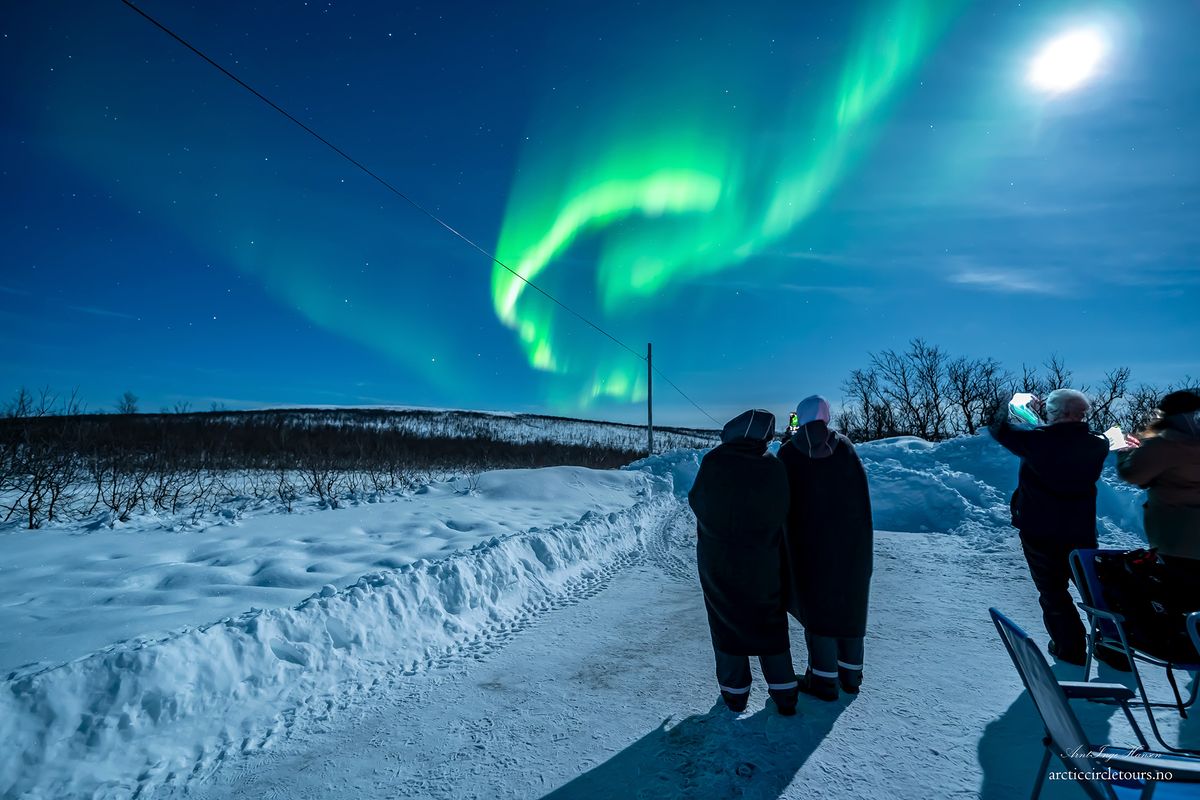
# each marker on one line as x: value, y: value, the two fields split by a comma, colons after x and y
x: 709, y: 756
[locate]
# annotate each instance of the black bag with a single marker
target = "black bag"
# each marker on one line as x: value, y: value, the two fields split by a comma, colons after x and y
x: 1155, y: 594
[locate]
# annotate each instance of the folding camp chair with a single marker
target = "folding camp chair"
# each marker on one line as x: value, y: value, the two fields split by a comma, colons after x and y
x: 1107, y: 629
x: 1103, y: 773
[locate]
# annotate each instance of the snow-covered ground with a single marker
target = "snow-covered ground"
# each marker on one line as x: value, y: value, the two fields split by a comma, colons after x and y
x: 542, y: 635
x: 69, y: 591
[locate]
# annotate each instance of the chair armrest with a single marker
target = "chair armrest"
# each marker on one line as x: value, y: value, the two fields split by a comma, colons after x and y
x: 1100, y: 612
x: 1183, y: 770
x: 1080, y: 690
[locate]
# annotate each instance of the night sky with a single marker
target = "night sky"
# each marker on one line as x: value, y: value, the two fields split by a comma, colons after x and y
x: 767, y: 191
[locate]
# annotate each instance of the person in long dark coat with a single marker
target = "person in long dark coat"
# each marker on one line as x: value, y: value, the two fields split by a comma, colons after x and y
x: 830, y: 542
x: 740, y: 501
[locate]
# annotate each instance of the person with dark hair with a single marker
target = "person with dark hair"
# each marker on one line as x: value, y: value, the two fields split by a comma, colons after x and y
x: 830, y: 540
x: 740, y: 500
x: 1054, y: 508
x: 1165, y: 461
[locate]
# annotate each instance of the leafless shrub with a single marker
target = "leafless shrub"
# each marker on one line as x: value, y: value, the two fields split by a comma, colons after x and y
x: 56, y: 462
x: 127, y: 403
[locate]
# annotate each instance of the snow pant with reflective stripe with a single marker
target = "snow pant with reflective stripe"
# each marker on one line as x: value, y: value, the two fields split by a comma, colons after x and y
x: 733, y: 672
x: 829, y: 654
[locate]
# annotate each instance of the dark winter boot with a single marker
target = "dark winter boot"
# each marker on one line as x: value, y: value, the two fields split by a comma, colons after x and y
x: 735, y: 702
x: 785, y: 700
x: 850, y: 679
x: 817, y: 686
x: 1067, y: 656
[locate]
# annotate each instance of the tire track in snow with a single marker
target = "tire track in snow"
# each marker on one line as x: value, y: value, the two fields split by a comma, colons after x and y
x: 673, y: 548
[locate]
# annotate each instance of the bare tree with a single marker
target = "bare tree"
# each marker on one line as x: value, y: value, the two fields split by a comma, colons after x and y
x: 929, y: 368
x: 127, y: 403
x: 1106, y: 401
x: 867, y: 415
x: 897, y: 387
x: 1032, y: 381
x: 976, y: 389
x: 20, y: 406
x: 913, y: 385
x: 1139, y: 408
x: 1060, y: 376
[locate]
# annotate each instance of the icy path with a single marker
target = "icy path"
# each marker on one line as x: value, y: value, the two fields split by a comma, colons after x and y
x: 608, y: 692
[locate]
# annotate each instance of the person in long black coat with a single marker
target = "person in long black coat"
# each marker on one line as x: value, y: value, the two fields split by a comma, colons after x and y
x: 740, y: 501
x: 830, y: 540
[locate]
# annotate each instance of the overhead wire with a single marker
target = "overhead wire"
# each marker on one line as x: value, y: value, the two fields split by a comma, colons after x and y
x: 408, y: 199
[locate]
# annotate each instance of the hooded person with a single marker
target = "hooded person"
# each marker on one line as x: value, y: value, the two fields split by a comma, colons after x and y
x: 1166, y: 463
x: 830, y: 541
x: 740, y: 501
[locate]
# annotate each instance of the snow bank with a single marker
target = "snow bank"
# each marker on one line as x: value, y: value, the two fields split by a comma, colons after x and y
x: 66, y: 592
x: 963, y: 486
x: 677, y: 466
x: 960, y: 486
x: 148, y: 711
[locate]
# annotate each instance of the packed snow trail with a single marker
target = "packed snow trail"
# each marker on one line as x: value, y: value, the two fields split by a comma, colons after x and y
x: 610, y: 693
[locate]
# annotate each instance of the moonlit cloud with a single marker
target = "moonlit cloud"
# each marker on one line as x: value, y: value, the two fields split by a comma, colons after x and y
x: 1008, y: 281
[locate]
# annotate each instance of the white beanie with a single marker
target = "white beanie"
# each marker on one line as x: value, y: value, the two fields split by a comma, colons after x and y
x: 811, y: 409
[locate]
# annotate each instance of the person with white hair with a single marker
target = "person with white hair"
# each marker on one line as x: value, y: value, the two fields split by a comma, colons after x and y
x: 830, y: 540
x: 1054, y: 508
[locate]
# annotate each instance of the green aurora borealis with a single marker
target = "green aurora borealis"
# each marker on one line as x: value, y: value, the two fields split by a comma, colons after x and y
x: 669, y: 190
x: 768, y: 192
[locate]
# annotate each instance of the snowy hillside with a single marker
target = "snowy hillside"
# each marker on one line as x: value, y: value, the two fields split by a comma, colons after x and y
x: 534, y: 633
x: 492, y: 425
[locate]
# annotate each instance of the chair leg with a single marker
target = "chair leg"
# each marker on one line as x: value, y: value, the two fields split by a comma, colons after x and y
x: 1137, y: 677
x: 1175, y: 688
x: 1137, y: 729
x: 1150, y: 714
x: 1193, y: 691
x: 1091, y: 645
x: 1043, y: 768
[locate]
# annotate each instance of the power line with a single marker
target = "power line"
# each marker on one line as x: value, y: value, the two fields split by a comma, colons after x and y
x: 387, y: 185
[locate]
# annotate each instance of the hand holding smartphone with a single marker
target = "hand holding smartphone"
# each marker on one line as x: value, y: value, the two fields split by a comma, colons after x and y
x: 1116, y: 439
x: 1023, y: 406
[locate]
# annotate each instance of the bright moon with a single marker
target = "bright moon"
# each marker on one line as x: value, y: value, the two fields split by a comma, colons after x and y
x: 1067, y: 62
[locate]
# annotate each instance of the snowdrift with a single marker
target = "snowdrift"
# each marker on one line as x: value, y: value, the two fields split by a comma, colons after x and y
x: 71, y: 590
x: 961, y: 486
x: 147, y: 712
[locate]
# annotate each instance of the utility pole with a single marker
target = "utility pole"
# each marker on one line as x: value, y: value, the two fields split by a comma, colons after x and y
x: 649, y: 399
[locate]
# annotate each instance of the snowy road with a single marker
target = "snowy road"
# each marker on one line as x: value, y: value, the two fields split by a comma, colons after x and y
x: 608, y: 692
